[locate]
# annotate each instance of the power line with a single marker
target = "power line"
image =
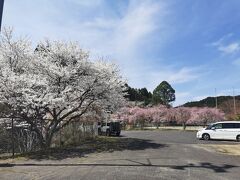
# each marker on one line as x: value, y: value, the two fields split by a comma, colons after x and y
x: 216, y: 97
x: 234, y: 103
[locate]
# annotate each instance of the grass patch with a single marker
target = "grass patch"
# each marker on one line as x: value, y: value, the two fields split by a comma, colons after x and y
x: 99, y: 144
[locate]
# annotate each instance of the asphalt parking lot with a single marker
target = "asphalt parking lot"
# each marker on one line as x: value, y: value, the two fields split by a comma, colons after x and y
x: 172, y: 136
x: 153, y: 155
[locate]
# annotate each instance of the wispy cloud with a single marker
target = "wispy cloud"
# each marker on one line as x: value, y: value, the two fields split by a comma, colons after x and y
x: 183, y: 75
x: 120, y: 36
x: 173, y: 76
x: 138, y: 22
x: 227, y: 47
x: 151, y: 40
x: 93, y: 23
x: 222, y: 39
x: 97, y: 28
x: 230, y: 48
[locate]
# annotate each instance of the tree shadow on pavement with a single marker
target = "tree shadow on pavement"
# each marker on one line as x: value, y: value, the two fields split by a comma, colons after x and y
x: 100, y: 144
x: 215, y: 168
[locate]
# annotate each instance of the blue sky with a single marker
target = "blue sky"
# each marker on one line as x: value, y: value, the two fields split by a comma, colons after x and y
x: 194, y: 45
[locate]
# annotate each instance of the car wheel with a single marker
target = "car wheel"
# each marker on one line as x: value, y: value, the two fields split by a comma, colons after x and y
x: 118, y: 134
x: 206, y: 137
x: 238, y: 138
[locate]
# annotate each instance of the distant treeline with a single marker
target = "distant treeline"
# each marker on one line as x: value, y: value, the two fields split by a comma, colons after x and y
x: 135, y: 94
x: 210, y: 101
x: 224, y: 103
x: 162, y: 94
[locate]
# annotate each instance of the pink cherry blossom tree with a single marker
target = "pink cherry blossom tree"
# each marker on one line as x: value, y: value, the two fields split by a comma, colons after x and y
x: 182, y: 115
x: 159, y: 115
x: 209, y: 115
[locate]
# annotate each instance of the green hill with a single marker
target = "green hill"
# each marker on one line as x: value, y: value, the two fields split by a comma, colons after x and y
x: 225, y: 103
x: 210, y: 101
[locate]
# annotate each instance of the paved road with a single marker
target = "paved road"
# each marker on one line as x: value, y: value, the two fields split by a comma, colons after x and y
x: 172, y: 136
x: 154, y: 155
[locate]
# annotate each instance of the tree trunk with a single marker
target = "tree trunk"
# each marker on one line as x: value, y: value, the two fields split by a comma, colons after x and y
x: 184, y: 126
x: 40, y: 137
x: 48, y: 141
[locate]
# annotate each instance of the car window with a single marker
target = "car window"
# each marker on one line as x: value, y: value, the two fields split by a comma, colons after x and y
x: 237, y: 125
x: 209, y: 126
x: 228, y: 125
x: 218, y: 126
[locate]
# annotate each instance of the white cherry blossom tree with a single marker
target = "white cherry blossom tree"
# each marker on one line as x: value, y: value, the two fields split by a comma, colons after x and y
x: 54, y: 84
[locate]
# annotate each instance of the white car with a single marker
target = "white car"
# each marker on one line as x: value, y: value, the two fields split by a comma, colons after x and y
x: 229, y: 130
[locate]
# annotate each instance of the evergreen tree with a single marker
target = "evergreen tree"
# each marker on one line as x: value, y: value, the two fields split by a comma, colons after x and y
x: 163, y: 94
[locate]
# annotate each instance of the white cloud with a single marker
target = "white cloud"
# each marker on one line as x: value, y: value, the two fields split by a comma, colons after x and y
x: 183, y: 75
x: 120, y: 36
x: 96, y: 27
x: 222, y: 39
x: 230, y: 48
x: 92, y: 23
x: 173, y: 76
x: 227, y: 48
x: 138, y: 22
x: 104, y: 33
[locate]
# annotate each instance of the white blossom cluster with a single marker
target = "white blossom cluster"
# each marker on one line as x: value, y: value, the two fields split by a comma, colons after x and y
x: 56, y: 78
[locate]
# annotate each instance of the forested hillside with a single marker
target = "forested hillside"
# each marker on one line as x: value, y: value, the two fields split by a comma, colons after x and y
x: 225, y: 103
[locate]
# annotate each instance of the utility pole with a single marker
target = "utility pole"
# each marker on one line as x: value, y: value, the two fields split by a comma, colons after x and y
x: 216, y: 97
x: 234, y: 103
x: 13, y: 145
x: 1, y: 12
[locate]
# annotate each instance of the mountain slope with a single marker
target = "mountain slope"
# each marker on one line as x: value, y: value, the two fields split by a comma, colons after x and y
x: 225, y: 103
